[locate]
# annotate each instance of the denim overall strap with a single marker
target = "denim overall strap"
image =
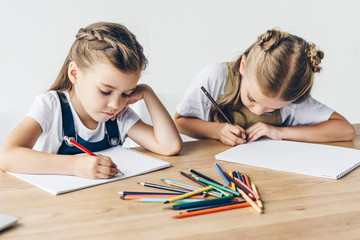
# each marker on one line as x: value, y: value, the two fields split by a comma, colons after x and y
x: 111, y: 139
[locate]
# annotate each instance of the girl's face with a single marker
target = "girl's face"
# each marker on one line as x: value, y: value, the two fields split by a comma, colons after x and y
x: 100, y: 92
x: 253, y: 98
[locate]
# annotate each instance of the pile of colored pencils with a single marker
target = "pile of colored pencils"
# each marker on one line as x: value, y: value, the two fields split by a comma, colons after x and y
x: 238, y: 192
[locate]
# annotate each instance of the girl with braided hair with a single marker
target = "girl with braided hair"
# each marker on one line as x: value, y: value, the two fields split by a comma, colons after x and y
x: 88, y: 102
x: 264, y: 93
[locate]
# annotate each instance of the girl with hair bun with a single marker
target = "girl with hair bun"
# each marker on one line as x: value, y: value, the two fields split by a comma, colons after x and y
x: 88, y: 102
x: 264, y: 93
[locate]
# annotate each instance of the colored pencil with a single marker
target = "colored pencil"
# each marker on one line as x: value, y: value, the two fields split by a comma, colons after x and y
x: 130, y: 197
x: 199, y: 203
x: 82, y: 148
x: 222, y: 174
x: 215, y: 104
x: 214, y: 206
x: 232, y: 184
x: 242, y: 178
x: 237, y: 175
x: 163, y: 187
x: 239, y: 185
x: 174, y: 199
x: 258, y: 201
x: 211, y: 210
x: 251, y: 202
x: 253, y: 194
x: 247, y: 180
x: 224, y: 188
x: 203, y: 176
x: 192, y: 179
x: 161, y: 200
x: 124, y: 193
x: 190, y: 187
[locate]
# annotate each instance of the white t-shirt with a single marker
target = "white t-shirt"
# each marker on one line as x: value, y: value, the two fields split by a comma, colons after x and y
x: 46, y: 110
x: 213, y: 77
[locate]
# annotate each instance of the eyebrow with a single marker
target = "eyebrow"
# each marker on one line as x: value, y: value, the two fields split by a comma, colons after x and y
x: 106, y: 85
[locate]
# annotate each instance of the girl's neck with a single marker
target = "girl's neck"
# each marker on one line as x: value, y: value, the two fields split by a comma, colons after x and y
x: 84, y: 117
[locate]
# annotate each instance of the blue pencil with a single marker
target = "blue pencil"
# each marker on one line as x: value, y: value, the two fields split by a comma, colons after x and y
x: 222, y: 174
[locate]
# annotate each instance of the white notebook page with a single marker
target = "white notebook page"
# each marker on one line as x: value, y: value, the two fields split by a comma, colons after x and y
x: 129, y: 161
x: 297, y: 157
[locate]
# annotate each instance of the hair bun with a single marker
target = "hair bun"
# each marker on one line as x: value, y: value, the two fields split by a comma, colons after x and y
x: 271, y: 39
x: 314, y: 56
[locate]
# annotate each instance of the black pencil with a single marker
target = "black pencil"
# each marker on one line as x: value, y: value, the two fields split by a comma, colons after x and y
x: 164, y: 187
x: 215, y: 104
x: 203, y: 176
x: 192, y: 179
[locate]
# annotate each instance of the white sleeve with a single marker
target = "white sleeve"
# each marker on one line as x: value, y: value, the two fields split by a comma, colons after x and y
x: 306, y: 113
x: 43, y: 109
x: 195, y: 103
x: 126, y: 120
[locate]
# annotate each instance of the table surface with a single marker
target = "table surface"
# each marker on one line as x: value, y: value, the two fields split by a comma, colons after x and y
x: 296, y: 206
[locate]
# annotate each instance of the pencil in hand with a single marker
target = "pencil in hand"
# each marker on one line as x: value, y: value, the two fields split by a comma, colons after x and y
x: 84, y: 149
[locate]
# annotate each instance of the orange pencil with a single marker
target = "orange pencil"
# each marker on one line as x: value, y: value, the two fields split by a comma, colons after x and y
x: 247, y: 180
x: 211, y: 210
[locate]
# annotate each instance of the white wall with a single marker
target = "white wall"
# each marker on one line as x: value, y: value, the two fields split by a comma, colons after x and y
x: 179, y: 38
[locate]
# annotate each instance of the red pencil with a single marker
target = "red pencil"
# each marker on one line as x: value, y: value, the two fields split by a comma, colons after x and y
x: 70, y: 141
x: 82, y: 148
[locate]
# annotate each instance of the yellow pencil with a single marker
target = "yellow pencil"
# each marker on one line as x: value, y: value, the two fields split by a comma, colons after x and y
x: 188, y: 194
x: 232, y: 184
x: 258, y: 201
x: 252, y: 203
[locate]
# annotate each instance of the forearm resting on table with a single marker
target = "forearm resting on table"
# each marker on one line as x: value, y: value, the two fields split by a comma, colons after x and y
x: 25, y: 160
x: 337, y: 128
x: 197, y: 128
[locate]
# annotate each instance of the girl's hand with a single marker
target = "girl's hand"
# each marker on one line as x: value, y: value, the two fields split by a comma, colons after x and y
x: 138, y: 93
x: 262, y: 129
x: 232, y: 134
x: 135, y: 96
x: 95, y: 167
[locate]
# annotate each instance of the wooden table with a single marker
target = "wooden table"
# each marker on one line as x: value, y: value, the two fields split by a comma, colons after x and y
x: 296, y: 206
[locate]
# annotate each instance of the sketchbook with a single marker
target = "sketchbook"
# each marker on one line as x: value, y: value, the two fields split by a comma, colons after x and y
x: 296, y: 157
x: 129, y: 161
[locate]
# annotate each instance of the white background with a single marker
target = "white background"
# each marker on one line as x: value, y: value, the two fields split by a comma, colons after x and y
x: 179, y: 38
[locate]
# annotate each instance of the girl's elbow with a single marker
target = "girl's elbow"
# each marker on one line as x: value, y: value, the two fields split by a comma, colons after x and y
x: 174, y: 149
x: 351, y: 134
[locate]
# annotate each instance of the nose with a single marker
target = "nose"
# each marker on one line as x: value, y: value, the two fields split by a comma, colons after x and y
x: 117, y: 103
x: 257, y: 110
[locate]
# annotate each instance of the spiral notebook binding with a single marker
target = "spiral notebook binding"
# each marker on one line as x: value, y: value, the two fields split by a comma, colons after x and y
x: 348, y: 170
x: 144, y: 154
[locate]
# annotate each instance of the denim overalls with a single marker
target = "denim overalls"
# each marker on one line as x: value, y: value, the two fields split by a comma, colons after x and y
x: 111, y: 139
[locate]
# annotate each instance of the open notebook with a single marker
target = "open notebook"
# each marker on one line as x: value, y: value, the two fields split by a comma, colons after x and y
x: 129, y: 161
x: 297, y: 157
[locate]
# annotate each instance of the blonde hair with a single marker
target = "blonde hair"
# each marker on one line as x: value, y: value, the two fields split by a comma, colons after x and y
x: 102, y: 42
x: 282, y: 64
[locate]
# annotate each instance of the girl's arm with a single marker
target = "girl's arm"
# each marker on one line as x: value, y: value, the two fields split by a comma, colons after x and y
x: 197, y: 128
x: 162, y: 137
x: 17, y: 155
x: 337, y: 128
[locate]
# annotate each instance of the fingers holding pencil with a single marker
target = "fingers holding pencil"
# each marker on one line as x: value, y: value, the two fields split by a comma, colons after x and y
x: 232, y: 134
x: 95, y: 167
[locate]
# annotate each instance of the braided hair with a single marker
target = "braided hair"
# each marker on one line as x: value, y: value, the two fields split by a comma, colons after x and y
x: 102, y: 42
x: 282, y: 64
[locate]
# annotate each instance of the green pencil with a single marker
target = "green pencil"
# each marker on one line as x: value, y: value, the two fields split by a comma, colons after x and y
x: 202, y: 201
x: 217, y: 186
